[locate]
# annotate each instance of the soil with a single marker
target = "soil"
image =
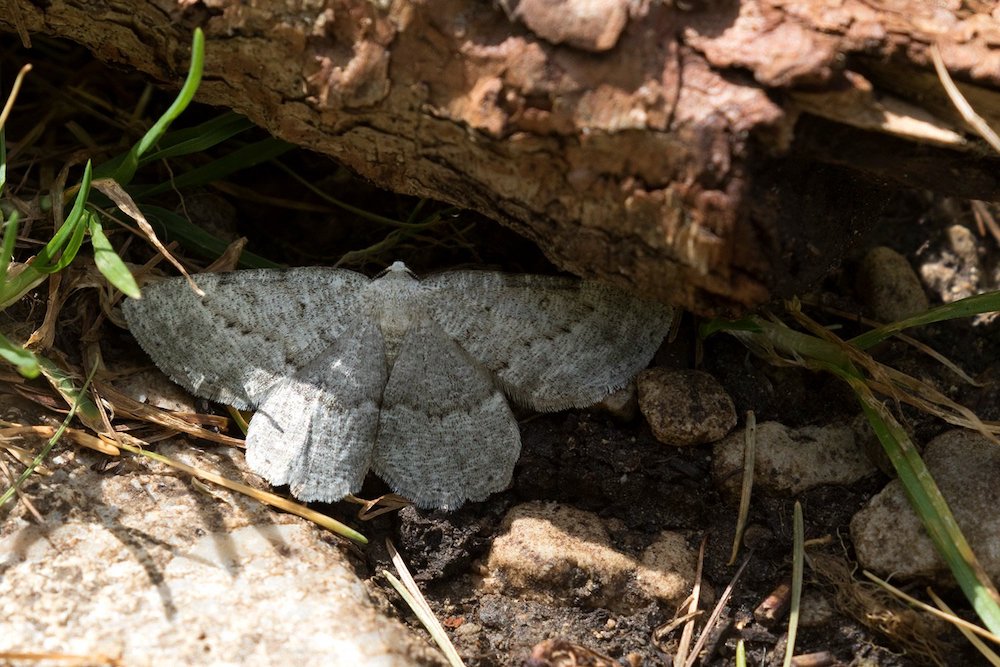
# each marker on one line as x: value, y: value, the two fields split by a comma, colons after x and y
x: 597, y: 462
x: 580, y: 458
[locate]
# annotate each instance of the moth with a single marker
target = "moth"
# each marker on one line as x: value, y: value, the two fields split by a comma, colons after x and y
x: 408, y: 378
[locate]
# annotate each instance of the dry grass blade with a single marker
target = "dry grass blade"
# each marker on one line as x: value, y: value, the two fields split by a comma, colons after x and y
x: 985, y: 650
x: 954, y: 620
x: 28, y: 505
x: 985, y: 219
x: 129, y: 407
x: 746, y: 487
x: 716, y: 613
x: 56, y: 436
x: 695, y: 599
x: 662, y: 631
x: 229, y: 260
x: 79, y: 437
x: 900, y: 386
x: 271, y: 499
x: 25, y: 457
x: 14, y: 90
x: 909, y: 340
x: 906, y: 389
x: 70, y: 658
x: 389, y: 502
x: 875, y: 608
x: 970, y: 116
x: 414, y: 598
x: 123, y: 201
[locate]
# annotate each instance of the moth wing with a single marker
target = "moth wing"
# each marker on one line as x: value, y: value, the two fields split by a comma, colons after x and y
x: 315, y: 430
x: 553, y: 342
x: 446, y: 434
x: 251, y: 329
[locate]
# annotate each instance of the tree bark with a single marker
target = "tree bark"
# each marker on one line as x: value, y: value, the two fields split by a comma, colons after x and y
x: 712, y: 154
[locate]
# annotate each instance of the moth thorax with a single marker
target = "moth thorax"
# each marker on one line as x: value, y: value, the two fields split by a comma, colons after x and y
x: 394, y: 323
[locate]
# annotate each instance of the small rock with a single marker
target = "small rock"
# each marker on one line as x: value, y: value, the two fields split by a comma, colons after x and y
x: 889, y: 286
x: 468, y: 629
x: 622, y: 404
x: 755, y: 536
x: 952, y: 269
x: 551, y: 552
x: 685, y: 407
x: 790, y: 461
x: 815, y: 610
x: 889, y: 537
x: 668, y: 569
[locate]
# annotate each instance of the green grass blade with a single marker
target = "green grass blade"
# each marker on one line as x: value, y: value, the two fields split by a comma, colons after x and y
x: 175, y: 227
x: 123, y: 168
x: 748, y: 324
x: 239, y: 159
x: 973, y: 305
x: 184, y: 97
x: 69, y: 233
x: 798, y: 568
x: 65, y: 242
x: 65, y: 385
x: 931, y: 507
x: 3, y: 160
x: 13, y: 289
x: 919, y: 485
x: 199, y: 138
x: 108, y: 262
x: 74, y: 407
x: 78, y: 225
x: 17, y: 356
x: 7, y: 251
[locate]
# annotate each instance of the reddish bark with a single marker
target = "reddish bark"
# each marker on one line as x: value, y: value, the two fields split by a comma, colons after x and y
x: 676, y: 147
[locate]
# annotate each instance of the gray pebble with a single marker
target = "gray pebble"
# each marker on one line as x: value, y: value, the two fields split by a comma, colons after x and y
x: 889, y: 286
x: 685, y: 407
x: 889, y: 537
x: 790, y: 461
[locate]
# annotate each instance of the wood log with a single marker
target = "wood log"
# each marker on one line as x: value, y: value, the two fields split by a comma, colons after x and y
x: 710, y: 153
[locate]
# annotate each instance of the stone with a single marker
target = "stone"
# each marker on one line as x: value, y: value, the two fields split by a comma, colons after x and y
x: 791, y: 460
x: 142, y: 566
x: 667, y: 568
x: 815, y: 610
x: 952, y: 268
x: 889, y: 537
x: 552, y: 552
x: 889, y: 286
x: 621, y: 404
x: 685, y: 407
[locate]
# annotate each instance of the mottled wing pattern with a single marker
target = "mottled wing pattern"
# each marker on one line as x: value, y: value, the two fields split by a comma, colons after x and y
x: 315, y: 430
x: 446, y: 433
x: 308, y: 348
x: 554, y: 343
x: 251, y: 329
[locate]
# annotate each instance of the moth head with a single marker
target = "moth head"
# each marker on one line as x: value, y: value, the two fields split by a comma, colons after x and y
x: 397, y: 268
